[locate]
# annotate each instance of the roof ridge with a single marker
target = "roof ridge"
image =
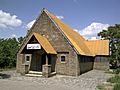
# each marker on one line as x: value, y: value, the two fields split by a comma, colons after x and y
x: 73, y: 36
x: 62, y: 22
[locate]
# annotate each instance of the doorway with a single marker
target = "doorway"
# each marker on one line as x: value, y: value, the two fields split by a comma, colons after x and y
x: 36, y: 62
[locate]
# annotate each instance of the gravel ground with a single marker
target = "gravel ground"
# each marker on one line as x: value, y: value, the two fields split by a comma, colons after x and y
x: 88, y: 81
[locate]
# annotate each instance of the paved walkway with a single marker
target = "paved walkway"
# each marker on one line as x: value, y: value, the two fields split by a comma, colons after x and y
x: 87, y: 81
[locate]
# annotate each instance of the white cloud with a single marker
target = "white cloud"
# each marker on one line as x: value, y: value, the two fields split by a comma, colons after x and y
x: 30, y: 24
x: 76, y: 30
x: 93, y: 29
x: 9, y: 21
x: 60, y: 17
x: 14, y: 35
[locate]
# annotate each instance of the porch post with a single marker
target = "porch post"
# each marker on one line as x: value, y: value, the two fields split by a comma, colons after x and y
x: 46, y: 60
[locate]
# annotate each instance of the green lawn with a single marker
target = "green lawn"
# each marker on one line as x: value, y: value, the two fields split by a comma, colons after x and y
x: 7, y: 69
x: 116, y: 80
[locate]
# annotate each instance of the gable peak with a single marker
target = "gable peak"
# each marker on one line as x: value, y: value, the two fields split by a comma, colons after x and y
x: 44, y: 10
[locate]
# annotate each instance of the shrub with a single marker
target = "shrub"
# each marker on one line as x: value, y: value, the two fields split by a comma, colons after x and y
x: 101, y: 87
x: 115, y: 79
x: 116, y: 71
x: 117, y: 86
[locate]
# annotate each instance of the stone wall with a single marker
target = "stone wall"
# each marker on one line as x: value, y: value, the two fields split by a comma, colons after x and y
x: 101, y: 63
x: 24, y: 69
x: 46, y: 27
x: 69, y: 67
x: 85, y: 67
x: 21, y: 66
x: 19, y: 62
x: 85, y: 63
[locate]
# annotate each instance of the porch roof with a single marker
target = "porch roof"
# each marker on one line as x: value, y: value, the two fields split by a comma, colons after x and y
x: 44, y: 43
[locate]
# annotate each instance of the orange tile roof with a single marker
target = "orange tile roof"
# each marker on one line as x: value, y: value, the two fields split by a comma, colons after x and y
x: 45, y: 44
x: 84, y: 47
x: 75, y: 38
x: 98, y: 47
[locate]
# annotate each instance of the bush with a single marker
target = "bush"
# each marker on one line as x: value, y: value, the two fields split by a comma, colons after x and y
x: 116, y: 71
x: 117, y: 86
x: 101, y: 87
x: 115, y: 79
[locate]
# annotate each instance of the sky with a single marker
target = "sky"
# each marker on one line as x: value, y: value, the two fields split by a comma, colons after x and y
x: 88, y: 17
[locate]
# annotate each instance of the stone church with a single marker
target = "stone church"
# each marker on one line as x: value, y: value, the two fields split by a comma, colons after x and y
x: 52, y: 47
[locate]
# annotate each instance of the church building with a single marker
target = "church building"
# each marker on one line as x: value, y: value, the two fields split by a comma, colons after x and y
x: 52, y: 47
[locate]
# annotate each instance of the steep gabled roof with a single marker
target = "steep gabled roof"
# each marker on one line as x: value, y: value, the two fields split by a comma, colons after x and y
x: 43, y: 42
x: 82, y: 46
x: 98, y: 47
x: 75, y: 38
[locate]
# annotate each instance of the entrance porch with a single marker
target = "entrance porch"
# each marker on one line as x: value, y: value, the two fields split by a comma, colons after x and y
x: 42, y: 63
x: 39, y: 56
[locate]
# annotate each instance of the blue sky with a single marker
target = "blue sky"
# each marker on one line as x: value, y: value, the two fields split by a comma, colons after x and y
x: 87, y: 17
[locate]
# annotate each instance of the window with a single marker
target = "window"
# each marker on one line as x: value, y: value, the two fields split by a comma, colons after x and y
x: 27, y: 58
x: 62, y: 58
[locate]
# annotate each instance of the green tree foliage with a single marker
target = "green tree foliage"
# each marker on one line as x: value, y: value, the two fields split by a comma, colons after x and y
x: 8, y: 51
x: 20, y: 39
x: 113, y: 34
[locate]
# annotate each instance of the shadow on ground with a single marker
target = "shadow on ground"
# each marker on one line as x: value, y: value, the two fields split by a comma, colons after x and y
x: 4, y: 76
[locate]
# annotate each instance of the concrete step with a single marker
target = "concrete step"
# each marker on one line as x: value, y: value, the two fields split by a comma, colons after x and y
x: 38, y: 74
x: 35, y: 72
x: 53, y: 73
x: 33, y: 75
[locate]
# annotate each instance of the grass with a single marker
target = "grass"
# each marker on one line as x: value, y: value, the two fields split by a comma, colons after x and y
x: 101, y: 87
x: 115, y: 79
x: 114, y: 71
x: 117, y: 86
x: 109, y: 72
x: 115, y: 82
x: 7, y: 69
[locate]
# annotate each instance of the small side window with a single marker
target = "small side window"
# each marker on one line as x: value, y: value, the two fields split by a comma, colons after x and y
x: 27, y: 58
x: 62, y: 58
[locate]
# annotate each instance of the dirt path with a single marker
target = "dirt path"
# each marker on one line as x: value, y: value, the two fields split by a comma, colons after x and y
x: 87, y: 81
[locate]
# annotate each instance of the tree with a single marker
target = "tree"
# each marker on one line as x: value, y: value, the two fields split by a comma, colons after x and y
x: 20, y: 39
x: 8, y: 51
x: 113, y: 34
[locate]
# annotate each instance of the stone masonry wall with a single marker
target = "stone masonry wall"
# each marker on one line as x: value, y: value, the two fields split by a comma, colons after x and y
x: 47, y: 28
x: 85, y: 63
x: 20, y: 62
x: 101, y: 63
x: 84, y: 67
